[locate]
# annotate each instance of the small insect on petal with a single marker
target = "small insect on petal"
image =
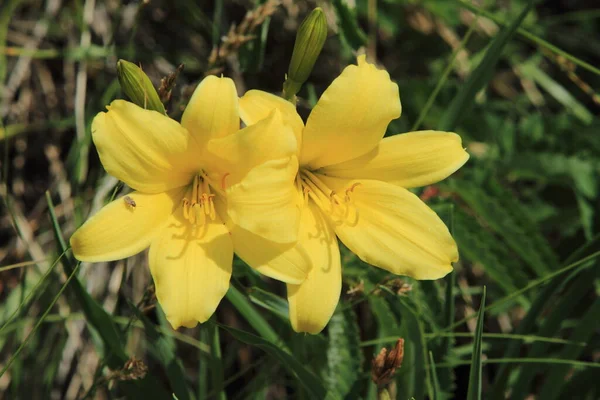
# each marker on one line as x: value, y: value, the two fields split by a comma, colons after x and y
x: 129, y: 202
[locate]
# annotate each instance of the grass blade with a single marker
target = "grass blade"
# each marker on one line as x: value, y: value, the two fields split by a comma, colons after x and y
x: 481, y: 75
x: 163, y: 349
x: 435, y: 384
x: 474, y: 391
x: 557, y: 375
x: 310, y: 382
x: 254, y: 318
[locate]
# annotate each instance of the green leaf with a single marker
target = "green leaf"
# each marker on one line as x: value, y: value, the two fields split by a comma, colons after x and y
x: 475, y: 385
x: 269, y: 301
x: 480, y: 76
x: 344, y: 357
x: 309, y: 380
x: 216, y: 360
x: 254, y: 318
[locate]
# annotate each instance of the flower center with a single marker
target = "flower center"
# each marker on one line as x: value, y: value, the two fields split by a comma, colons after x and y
x: 339, y: 206
x: 201, y: 205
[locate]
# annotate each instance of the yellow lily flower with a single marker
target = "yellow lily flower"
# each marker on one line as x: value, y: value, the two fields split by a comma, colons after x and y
x: 354, y: 184
x: 188, y: 179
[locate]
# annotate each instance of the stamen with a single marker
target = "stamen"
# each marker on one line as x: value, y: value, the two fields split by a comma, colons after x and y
x: 334, y: 197
x: 223, y: 183
x: 314, y: 179
x: 213, y: 212
x: 186, y: 208
x: 195, y: 190
x: 306, y: 191
x: 205, y: 203
x: 199, y: 216
x: 350, y: 190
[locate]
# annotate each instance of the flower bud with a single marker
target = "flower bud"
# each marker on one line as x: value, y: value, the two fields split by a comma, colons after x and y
x: 137, y: 86
x: 309, y: 43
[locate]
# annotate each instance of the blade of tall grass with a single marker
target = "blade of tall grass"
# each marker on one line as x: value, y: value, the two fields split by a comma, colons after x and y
x: 310, y: 381
x: 531, y: 37
x: 413, y: 378
x: 254, y: 318
x: 557, y: 375
x: 203, y: 365
x: 271, y: 302
x: 475, y: 384
x: 162, y: 348
x: 584, y: 253
x: 533, y: 284
x: 435, y: 384
x: 349, y: 25
x: 481, y: 75
x: 556, y: 90
x: 525, y: 360
x: 444, y: 77
x: 216, y: 360
x: 561, y: 310
x: 7, y: 132
x: 8, y: 10
x: 499, y: 336
x: 103, y: 324
x: 40, y: 321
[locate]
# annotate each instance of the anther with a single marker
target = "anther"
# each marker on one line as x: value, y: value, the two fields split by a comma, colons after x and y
x: 186, y: 208
x: 223, y: 183
x: 333, y: 196
x: 350, y: 190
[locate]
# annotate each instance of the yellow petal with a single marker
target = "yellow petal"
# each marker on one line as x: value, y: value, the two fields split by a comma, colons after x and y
x: 313, y: 302
x: 286, y: 262
x: 191, y: 268
x: 282, y: 261
x: 391, y: 228
x: 409, y: 160
x: 213, y: 110
x: 236, y: 154
x: 120, y: 230
x: 265, y: 202
x: 258, y: 166
x: 351, y: 116
x: 256, y: 105
x: 145, y: 149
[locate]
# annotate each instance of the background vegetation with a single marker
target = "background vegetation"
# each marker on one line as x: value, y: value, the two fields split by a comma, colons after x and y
x: 516, y: 80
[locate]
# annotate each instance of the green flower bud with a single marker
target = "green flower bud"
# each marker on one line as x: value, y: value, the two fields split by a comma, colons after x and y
x: 137, y: 86
x: 309, y: 43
